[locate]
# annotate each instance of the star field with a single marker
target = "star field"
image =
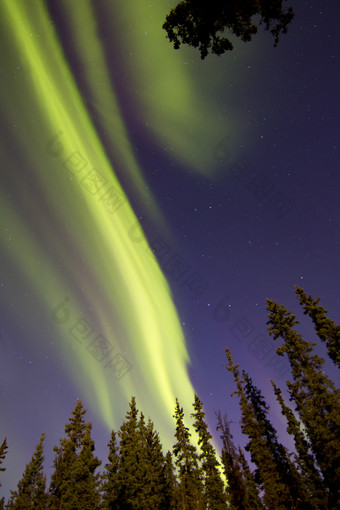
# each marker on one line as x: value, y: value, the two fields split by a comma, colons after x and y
x: 226, y: 178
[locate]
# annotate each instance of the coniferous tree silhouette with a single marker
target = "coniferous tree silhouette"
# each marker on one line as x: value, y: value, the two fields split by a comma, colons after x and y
x: 74, y: 484
x: 316, y: 398
x: 236, y: 484
x: 154, y: 491
x: 131, y: 466
x: 31, y: 491
x: 190, y: 492
x: 171, y: 484
x: 304, y: 459
x: 3, y: 451
x: 293, y: 490
x: 252, y: 498
x: 325, y: 328
x: 242, y: 490
x: 109, y: 478
x: 273, y: 467
x: 139, y: 476
x: 215, y: 496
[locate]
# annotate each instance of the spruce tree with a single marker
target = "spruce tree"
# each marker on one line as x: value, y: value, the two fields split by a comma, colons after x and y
x: 215, y: 497
x: 325, y: 328
x: 260, y: 456
x: 85, y: 480
x: 3, y: 451
x: 31, y: 492
x: 316, y: 399
x: 252, y: 497
x: 131, y: 467
x: 190, y: 491
x: 271, y: 472
x: 303, y: 456
x: 154, y: 490
x: 109, y: 478
x: 294, y: 490
x: 170, y: 483
x: 74, y: 484
x: 236, y: 489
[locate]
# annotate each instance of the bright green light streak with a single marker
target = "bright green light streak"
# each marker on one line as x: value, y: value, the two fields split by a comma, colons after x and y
x: 95, y: 66
x: 176, y: 91
x: 125, y: 278
x: 32, y: 265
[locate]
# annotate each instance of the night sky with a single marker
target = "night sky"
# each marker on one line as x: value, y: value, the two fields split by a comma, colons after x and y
x: 150, y: 202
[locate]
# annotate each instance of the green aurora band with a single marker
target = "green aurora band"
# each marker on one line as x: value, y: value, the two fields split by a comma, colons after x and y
x: 75, y: 240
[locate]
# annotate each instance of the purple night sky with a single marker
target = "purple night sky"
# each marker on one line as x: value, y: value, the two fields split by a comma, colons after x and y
x: 250, y: 208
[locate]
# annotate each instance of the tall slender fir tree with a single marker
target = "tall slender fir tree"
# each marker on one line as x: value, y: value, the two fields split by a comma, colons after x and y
x: 215, y: 496
x: 303, y: 456
x: 170, y: 483
x: 252, y: 498
x: 271, y: 471
x: 74, y: 484
x: 131, y: 467
x: 154, y: 490
x: 325, y: 328
x: 316, y: 399
x: 293, y: 488
x: 236, y: 489
x: 109, y: 477
x: 3, y: 451
x: 190, y: 491
x: 31, y: 491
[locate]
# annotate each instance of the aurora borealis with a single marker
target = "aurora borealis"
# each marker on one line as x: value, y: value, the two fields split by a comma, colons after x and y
x: 124, y: 292
x: 132, y: 242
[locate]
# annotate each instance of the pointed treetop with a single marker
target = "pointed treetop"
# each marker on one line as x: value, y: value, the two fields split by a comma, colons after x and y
x: 3, y: 452
x: 325, y: 328
x: 31, y: 491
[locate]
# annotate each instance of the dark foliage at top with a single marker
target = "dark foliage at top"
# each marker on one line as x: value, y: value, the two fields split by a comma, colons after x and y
x: 203, y: 24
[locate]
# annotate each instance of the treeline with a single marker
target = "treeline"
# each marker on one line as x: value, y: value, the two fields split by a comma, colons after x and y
x: 139, y: 475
